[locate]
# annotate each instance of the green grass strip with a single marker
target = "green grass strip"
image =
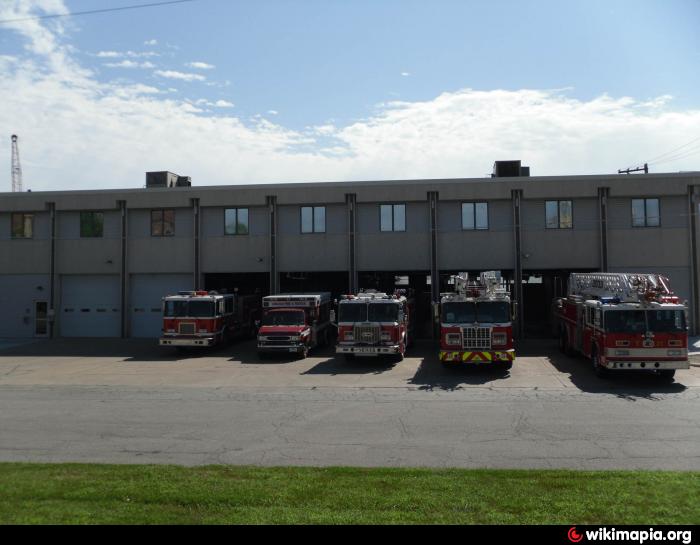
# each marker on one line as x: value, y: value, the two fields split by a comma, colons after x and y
x: 157, y: 494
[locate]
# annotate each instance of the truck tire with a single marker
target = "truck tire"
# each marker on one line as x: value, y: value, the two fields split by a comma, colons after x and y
x: 667, y: 374
x: 349, y: 357
x: 507, y: 366
x: 600, y: 371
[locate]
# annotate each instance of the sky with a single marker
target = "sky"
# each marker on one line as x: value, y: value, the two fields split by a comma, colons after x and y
x: 239, y: 92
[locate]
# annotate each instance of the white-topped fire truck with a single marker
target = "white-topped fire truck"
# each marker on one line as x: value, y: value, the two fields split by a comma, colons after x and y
x: 207, y: 318
x: 372, y: 323
x: 294, y: 323
x: 476, y: 321
x: 624, y: 321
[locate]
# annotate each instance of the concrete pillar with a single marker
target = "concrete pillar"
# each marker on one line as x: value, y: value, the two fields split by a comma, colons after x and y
x: 351, y: 202
x: 694, y: 303
x: 434, y: 270
x: 519, y: 329
x: 274, y: 274
x: 123, y: 272
x: 52, y: 314
x: 196, y: 268
x: 603, y: 194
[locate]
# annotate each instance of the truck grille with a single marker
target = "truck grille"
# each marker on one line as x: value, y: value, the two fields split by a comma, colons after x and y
x: 366, y: 333
x: 278, y: 338
x: 186, y: 328
x: 476, y: 338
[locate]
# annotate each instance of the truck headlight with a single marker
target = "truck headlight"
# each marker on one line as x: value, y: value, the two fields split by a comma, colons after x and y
x: 294, y: 338
x: 386, y: 336
x: 348, y: 336
x: 499, y: 339
x: 453, y: 338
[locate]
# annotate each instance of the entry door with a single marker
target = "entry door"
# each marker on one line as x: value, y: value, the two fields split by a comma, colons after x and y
x: 41, y: 319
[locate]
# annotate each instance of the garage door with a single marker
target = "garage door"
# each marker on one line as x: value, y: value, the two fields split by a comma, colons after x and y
x: 145, y: 294
x: 90, y: 306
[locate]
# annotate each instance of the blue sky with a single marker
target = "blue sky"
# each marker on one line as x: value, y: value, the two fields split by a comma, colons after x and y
x: 348, y: 90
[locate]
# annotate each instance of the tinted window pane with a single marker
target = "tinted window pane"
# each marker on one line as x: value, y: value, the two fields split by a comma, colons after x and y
x: 625, y: 321
x: 230, y: 221
x: 307, y: 220
x: 566, y: 218
x: 482, y: 215
x: 28, y: 226
x: 242, y: 224
x: 319, y: 219
x: 386, y: 217
x: 383, y: 312
x: 157, y: 223
x: 352, y: 312
x: 467, y: 215
x: 459, y: 313
x: 552, y: 214
x: 653, y: 212
x: 91, y: 224
x: 399, y: 217
x: 666, y: 321
x: 492, y: 312
x: 17, y: 225
x: 168, y: 222
x: 638, y: 213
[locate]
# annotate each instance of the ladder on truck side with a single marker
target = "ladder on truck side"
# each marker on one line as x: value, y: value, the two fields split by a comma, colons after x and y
x: 625, y: 286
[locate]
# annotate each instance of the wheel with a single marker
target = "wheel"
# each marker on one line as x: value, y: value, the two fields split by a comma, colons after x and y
x: 399, y: 357
x: 349, y: 356
x: 507, y: 366
x: 599, y: 371
x: 562, y: 340
x: 304, y: 353
x: 262, y: 355
x: 667, y: 374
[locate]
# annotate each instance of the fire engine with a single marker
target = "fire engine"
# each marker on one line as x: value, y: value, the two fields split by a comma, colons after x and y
x: 208, y: 318
x: 623, y: 321
x: 476, y: 321
x: 375, y: 324
x: 294, y: 323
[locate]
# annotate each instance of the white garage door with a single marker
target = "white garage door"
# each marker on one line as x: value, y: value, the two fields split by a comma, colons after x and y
x: 145, y: 294
x: 90, y: 306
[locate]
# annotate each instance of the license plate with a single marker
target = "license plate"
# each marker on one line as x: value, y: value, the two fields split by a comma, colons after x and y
x: 367, y: 350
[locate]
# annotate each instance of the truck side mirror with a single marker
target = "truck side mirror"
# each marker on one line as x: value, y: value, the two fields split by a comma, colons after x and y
x: 514, y: 311
x: 436, y: 313
x: 333, y: 317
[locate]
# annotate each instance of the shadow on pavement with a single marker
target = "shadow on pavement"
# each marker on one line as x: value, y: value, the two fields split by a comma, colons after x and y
x: 624, y: 384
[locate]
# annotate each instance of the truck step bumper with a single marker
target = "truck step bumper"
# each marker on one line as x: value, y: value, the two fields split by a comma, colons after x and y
x: 204, y: 341
x: 647, y: 365
x: 368, y: 350
x: 477, y: 357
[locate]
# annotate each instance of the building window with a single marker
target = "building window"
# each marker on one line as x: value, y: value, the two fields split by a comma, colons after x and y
x: 22, y: 225
x: 645, y: 213
x: 236, y: 221
x: 392, y: 217
x: 162, y: 223
x: 475, y: 215
x: 559, y: 214
x: 313, y: 219
x: 91, y: 224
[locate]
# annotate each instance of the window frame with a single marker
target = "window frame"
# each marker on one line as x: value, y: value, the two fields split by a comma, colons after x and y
x: 236, y: 222
x: 646, y: 213
x: 162, y: 222
x: 474, y: 206
x: 24, y: 215
x: 393, y: 217
x: 559, y: 222
x: 102, y: 224
x: 314, y: 219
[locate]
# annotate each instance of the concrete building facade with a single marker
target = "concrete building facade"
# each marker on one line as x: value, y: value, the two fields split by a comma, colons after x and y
x: 96, y: 263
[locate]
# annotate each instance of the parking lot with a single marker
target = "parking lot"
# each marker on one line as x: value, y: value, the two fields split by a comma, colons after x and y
x: 127, y: 401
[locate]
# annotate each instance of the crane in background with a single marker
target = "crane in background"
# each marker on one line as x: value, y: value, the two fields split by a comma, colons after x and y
x: 16, y: 167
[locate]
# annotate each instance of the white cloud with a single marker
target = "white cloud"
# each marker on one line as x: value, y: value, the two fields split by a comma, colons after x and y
x: 174, y: 74
x: 272, y: 112
x: 80, y: 132
x: 405, y: 74
x: 130, y: 64
x: 109, y: 54
x: 200, y: 65
x: 224, y: 104
x: 151, y: 42
x: 130, y: 54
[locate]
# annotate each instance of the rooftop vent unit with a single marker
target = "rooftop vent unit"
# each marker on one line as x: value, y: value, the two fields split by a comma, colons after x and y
x: 509, y: 169
x: 167, y: 179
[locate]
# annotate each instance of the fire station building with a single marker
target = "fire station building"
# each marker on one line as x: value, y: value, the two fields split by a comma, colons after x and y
x: 96, y: 263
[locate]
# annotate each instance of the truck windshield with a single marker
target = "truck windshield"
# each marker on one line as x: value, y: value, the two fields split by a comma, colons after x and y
x: 625, y: 321
x: 189, y: 309
x: 352, y: 312
x: 383, y: 312
x: 459, y: 313
x: 492, y: 312
x: 284, y: 317
x: 666, y: 321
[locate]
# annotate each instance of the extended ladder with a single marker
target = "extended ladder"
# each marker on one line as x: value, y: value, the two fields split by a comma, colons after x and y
x: 625, y: 286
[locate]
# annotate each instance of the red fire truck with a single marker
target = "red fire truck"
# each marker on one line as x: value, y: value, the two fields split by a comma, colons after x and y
x: 208, y: 318
x: 624, y: 321
x: 294, y: 323
x: 476, y: 321
x: 375, y: 324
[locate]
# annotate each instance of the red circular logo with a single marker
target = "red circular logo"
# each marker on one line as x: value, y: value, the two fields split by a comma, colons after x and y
x: 574, y: 536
